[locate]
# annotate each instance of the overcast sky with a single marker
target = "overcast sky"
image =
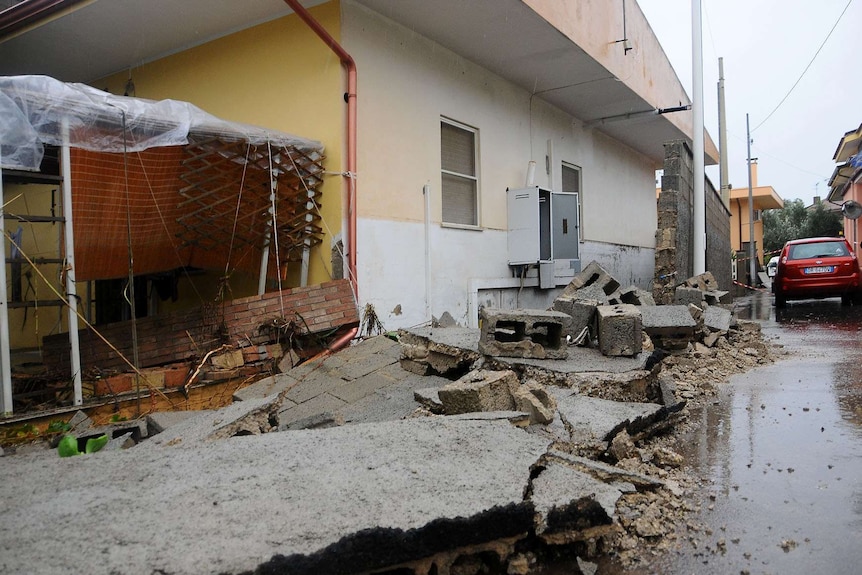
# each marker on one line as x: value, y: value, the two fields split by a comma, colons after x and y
x: 766, y: 46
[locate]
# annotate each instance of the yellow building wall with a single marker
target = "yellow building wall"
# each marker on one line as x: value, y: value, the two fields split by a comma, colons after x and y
x: 39, y: 240
x: 739, y: 226
x: 277, y: 75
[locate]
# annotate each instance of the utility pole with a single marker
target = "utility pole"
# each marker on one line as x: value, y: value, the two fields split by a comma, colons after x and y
x: 722, y: 137
x: 699, y: 196
x: 752, y: 267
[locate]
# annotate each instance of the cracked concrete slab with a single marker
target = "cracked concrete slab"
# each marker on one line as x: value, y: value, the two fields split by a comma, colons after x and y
x: 570, y: 500
x: 592, y: 419
x: 603, y: 471
x: 405, y: 489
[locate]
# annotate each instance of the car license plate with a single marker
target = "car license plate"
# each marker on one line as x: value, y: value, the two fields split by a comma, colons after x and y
x: 819, y: 270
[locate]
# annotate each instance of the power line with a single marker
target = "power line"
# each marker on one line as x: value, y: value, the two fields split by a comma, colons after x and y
x: 806, y: 67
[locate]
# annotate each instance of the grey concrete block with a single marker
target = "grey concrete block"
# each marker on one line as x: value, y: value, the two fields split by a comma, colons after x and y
x: 593, y: 274
x: 669, y: 326
x: 684, y: 295
x: 123, y: 441
x: 79, y: 423
x: 619, y: 330
x: 632, y: 295
x: 537, y: 334
x: 717, y: 319
x: 582, y: 312
x: 480, y: 391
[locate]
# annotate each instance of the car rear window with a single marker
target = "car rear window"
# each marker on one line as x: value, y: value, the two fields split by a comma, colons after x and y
x: 818, y: 250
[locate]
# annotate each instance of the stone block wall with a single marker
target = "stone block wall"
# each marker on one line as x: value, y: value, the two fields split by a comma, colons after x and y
x: 674, y: 260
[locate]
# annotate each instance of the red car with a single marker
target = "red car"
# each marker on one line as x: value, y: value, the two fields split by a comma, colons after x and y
x: 817, y: 268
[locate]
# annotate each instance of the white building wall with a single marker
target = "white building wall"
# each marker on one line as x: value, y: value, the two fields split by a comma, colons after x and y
x: 406, y: 84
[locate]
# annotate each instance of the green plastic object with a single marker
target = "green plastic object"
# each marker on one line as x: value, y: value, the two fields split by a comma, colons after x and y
x: 95, y: 444
x: 68, y: 446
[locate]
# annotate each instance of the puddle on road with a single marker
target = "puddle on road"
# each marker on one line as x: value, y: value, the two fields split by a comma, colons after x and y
x: 781, y: 454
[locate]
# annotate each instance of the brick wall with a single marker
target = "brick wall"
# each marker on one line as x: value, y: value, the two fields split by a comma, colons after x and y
x: 674, y: 260
x: 176, y: 336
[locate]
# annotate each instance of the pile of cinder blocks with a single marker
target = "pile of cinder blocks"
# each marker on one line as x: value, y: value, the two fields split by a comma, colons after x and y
x: 617, y: 320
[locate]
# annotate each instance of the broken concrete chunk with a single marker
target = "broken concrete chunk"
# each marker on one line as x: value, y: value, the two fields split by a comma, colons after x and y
x: 710, y: 339
x: 717, y: 297
x: 717, y: 319
x: 619, y: 330
x: 317, y: 421
x: 536, y: 334
x: 429, y: 398
x: 124, y: 441
x: 79, y: 423
x: 480, y: 390
x: 664, y: 457
x: 592, y: 275
x: 605, y: 472
x: 568, y: 501
x: 622, y: 446
x: 448, y: 352
x: 533, y: 398
x: 290, y: 360
x: 591, y: 418
x: 684, y: 295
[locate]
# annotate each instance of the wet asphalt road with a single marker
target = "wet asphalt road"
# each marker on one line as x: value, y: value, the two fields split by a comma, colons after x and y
x: 781, y: 453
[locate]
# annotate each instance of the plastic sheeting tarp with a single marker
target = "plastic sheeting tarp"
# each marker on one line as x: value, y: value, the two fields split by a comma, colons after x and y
x: 33, y: 110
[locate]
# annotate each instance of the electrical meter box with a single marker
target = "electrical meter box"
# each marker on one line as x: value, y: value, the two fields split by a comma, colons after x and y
x: 543, y: 226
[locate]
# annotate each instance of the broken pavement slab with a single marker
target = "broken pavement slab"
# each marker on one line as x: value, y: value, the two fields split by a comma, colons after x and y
x: 316, y: 501
x: 590, y: 419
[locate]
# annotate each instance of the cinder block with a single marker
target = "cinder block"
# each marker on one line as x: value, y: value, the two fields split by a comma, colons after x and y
x: 582, y: 312
x: 704, y: 282
x: 593, y: 274
x: 480, y: 390
x: 684, y: 295
x: 619, y: 330
x: 632, y: 295
x: 536, y: 334
x: 669, y: 326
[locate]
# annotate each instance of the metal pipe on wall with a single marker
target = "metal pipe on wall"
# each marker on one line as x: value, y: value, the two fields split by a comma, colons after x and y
x: 71, y: 289
x: 5, y: 360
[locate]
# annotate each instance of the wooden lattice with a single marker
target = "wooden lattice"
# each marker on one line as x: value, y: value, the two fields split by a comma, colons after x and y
x: 225, y: 201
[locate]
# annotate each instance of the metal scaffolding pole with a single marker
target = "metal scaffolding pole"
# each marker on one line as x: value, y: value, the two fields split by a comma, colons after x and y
x: 5, y: 361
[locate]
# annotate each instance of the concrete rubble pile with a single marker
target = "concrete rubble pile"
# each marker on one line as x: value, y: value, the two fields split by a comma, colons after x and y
x: 451, y: 450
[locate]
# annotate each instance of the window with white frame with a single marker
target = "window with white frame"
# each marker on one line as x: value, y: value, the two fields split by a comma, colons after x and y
x: 460, y: 181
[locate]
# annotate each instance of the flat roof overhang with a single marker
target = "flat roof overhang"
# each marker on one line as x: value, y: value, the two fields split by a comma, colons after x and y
x: 514, y: 41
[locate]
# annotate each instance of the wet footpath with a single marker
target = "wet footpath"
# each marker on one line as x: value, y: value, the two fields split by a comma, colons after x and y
x: 780, y: 454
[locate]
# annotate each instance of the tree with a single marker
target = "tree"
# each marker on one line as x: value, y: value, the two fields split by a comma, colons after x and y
x: 794, y: 222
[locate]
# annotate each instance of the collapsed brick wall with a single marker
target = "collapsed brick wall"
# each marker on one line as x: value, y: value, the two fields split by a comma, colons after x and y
x: 174, y: 337
x: 674, y: 259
